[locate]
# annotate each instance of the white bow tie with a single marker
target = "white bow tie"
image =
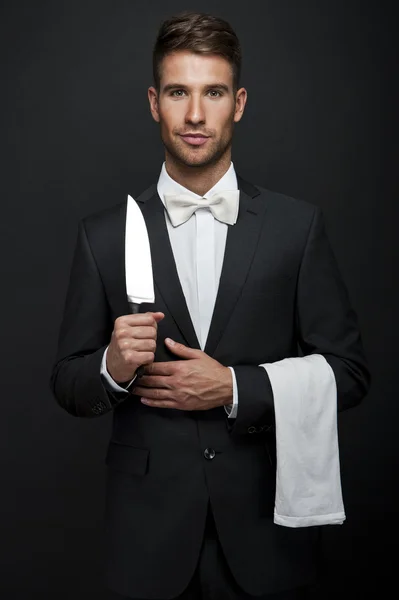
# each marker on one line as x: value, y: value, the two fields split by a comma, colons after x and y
x: 223, y: 206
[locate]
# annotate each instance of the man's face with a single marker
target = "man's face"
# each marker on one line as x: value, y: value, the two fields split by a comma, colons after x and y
x: 196, y: 107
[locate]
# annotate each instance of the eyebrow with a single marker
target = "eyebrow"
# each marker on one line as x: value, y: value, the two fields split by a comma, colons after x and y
x: 178, y: 86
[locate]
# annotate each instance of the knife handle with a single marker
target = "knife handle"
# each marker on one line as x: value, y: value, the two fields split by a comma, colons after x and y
x: 135, y: 308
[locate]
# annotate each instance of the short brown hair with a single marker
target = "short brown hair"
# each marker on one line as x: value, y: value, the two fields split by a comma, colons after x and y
x: 200, y: 33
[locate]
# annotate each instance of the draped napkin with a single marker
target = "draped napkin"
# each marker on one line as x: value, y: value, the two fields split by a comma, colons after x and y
x: 308, y: 482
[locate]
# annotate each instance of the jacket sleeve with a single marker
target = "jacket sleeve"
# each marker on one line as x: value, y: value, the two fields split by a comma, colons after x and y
x: 326, y: 324
x: 85, y: 333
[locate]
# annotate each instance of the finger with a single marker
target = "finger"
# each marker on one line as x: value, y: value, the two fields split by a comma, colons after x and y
x: 152, y: 393
x: 139, y: 332
x: 144, y: 345
x: 130, y: 357
x: 161, y: 368
x: 147, y: 318
x: 164, y: 404
x: 156, y: 381
x: 137, y: 345
x: 158, y: 316
x: 182, y: 350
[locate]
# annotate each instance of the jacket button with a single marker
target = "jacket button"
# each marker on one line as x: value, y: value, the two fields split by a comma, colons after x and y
x: 209, y: 453
x: 98, y: 408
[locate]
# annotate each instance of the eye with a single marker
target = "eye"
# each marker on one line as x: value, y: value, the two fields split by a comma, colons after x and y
x: 177, y: 93
x: 214, y: 93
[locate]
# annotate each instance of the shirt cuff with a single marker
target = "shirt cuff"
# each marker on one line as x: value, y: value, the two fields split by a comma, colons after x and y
x: 231, y: 409
x: 107, y: 379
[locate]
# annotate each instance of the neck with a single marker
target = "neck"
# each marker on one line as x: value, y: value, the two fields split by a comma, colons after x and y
x: 197, y: 179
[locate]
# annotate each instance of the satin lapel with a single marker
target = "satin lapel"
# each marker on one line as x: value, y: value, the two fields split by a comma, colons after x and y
x: 166, y: 279
x: 241, y: 242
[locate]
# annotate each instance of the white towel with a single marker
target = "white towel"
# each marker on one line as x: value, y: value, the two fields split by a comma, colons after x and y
x: 308, y: 483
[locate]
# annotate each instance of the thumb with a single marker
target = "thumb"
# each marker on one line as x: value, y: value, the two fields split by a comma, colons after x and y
x: 158, y: 316
x: 181, y: 349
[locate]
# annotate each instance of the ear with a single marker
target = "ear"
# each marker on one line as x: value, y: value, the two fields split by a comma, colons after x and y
x: 153, y: 100
x: 241, y: 100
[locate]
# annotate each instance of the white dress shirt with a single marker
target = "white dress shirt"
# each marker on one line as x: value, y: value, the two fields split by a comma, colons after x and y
x: 198, y: 248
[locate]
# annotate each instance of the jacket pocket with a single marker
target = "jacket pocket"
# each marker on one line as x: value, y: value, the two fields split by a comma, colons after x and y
x: 127, y: 459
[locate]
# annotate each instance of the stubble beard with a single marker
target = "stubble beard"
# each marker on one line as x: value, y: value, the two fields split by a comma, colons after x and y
x: 196, y: 157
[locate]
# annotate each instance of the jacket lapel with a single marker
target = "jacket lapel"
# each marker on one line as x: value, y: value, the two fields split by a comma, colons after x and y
x: 166, y: 279
x: 241, y: 242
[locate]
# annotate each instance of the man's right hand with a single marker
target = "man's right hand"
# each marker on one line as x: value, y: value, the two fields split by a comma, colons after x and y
x: 133, y: 343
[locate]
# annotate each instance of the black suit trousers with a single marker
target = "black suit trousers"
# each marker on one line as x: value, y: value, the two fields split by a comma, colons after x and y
x: 212, y: 579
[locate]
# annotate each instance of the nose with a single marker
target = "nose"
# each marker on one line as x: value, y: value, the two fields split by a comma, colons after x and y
x: 195, y: 111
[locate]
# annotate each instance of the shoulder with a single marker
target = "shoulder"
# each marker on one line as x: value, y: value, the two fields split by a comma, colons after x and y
x: 287, y: 205
x: 116, y: 212
x: 112, y: 217
x: 106, y: 217
x: 290, y: 216
x: 276, y: 200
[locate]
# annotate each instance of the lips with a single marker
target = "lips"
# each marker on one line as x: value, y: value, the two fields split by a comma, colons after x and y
x: 195, y: 139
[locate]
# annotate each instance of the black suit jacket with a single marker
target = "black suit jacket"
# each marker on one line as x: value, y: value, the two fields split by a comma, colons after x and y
x: 280, y: 295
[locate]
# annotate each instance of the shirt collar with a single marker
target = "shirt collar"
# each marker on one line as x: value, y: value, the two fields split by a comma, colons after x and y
x: 167, y: 185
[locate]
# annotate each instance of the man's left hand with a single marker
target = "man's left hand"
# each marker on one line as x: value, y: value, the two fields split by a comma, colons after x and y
x: 196, y: 383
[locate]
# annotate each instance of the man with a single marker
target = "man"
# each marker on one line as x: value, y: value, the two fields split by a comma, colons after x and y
x: 192, y: 459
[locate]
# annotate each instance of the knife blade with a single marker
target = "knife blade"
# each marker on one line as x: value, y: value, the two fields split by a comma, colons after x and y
x: 138, y: 263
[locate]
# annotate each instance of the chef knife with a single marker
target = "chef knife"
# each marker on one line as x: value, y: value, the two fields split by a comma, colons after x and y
x: 138, y: 264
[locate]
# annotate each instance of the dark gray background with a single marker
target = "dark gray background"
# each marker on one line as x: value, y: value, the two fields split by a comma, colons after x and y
x: 320, y: 125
